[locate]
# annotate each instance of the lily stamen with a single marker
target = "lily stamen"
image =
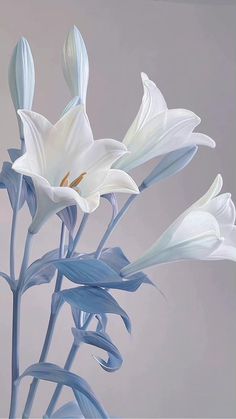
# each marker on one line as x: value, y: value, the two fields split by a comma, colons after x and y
x: 65, y: 180
x: 77, y: 180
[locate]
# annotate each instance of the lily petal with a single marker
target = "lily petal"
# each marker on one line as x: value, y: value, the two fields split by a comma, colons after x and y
x: 152, y: 104
x: 118, y: 181
x: 227, y: 250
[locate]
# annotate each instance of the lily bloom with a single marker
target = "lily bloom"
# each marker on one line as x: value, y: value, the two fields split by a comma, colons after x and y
x: 205, y: 231
x: 67, y: 166
x: 158, y: 130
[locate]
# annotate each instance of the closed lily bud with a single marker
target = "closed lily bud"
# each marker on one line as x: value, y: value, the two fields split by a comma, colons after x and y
x: 75, y: 64
x: 21, y: 77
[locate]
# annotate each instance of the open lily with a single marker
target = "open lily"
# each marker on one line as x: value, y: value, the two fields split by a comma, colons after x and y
x: 66, y: 164
x: 205, y: 231
x: 158, y: 130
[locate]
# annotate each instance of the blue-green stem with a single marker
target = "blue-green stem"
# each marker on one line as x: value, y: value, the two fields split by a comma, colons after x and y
x: 52, y: 321
x: 14, y: 221
x: 68, y: 364
x: 113, y: 224
x: 16, y: 330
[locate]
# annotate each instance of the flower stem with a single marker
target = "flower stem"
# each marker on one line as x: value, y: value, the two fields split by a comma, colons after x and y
x: 15, y: 353
x: 113, y: 224
x: 52, y: 319
x: 16, y: 330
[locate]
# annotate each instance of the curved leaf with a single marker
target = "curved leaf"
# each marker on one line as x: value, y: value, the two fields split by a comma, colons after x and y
x: 92, y: 300
x: 102, y: 341
x: 171, y: 164
x: 69, y: 217
x: 9, y: 180
x: 54, y: 373
x: 12, y: 284
x: 40, y: 271
x: 69, y: 410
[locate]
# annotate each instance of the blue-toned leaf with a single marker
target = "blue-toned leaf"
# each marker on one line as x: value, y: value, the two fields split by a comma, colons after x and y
x: 69, y: 410
x: 30, y: 195
x: 54, y: 373
x: 12, y: 284
x: 87, y: 408
x: 9, y: 180
x: 89, y: 271
x: 92, y: 300
x: 72, y: 104
x: 40, y: 271
x: 14, y: 153
x: 171, y: 164
x: 96, y: 272
x: 102, y: 322
x: 111, y: 197
x: 102, y: 341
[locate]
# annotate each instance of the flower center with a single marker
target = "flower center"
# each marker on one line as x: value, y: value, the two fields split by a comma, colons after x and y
x: 74, y: 183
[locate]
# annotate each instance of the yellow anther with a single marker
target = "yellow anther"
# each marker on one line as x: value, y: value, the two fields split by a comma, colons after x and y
x: 77, y: 180
x: 65, y: 180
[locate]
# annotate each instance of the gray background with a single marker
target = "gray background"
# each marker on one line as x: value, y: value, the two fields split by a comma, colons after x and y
x: 181, y: 358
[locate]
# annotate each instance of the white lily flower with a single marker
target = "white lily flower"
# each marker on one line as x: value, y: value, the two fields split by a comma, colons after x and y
x: 205, y: 231
x: 158, y: 130
x: 66, y: 164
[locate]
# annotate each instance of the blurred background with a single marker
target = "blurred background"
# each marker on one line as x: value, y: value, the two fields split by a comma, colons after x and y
x: 180, y: 361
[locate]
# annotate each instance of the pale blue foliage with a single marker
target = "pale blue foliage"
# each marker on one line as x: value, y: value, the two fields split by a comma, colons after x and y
x: 72, y: 104
x: 100, y: 340
x: 69, y: 410
x: 92, y: 300
x: 54, y: 373
x: 9, y: 180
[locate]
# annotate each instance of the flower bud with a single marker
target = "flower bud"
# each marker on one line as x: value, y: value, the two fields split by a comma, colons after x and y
x: 75, y: 64
x: 21, y: 77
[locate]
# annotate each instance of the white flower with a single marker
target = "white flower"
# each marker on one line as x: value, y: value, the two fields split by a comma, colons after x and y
x: 67, y: 166
x: 204, y: 231
x: 158, y: 130
x: 75, y: 64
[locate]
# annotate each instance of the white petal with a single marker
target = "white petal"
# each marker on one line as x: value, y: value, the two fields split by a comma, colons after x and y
x: 200, y: 139
x: 166, y: 132
x: 69, y: 138
x: 213, y: 191
x: 223, y: 209
x: 227, y: 250
x: 50, y: 200
x: 152, y: 104
x: 118, y: 181
x: 101, y: 155
x: 36, y: 131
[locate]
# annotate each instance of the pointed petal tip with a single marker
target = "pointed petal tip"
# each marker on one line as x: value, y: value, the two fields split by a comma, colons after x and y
x: 144, y: 76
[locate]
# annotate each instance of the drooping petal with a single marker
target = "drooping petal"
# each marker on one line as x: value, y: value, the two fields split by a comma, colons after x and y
x: 118, y: 181
x: 152, y: 104
x: 50, y: 200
